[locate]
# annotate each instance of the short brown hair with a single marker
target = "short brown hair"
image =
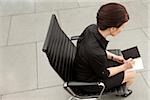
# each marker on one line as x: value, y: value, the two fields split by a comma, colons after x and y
x: 111, y: 15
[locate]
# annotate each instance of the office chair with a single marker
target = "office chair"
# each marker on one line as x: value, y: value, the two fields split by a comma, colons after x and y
x: 60, y: 52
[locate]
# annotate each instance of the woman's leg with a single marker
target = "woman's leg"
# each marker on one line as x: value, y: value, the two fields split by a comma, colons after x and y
x: 129, y: 77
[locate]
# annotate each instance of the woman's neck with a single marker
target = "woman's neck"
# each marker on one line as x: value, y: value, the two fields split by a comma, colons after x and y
x: 104, y: 33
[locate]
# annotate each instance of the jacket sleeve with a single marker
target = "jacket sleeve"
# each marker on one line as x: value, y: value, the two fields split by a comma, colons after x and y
x: 98, y: 64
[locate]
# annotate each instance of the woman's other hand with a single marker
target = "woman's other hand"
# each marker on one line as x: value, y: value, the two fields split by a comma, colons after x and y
x: 128, y: 64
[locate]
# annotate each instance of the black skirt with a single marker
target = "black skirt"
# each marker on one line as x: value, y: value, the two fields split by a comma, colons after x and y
x: 110, y: 83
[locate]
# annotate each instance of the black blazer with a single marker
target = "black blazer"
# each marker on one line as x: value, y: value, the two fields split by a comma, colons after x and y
x: 91, y: 59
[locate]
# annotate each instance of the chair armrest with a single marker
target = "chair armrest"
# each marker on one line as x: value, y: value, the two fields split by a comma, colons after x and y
x: 67, y: 86
x: 74, y: 37
x: 78, y: 84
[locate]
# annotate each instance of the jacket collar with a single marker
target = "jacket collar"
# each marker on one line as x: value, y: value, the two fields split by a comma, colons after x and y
x: 101, y: 40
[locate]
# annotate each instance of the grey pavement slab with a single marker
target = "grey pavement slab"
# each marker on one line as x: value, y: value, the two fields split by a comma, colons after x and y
x: 54, y: 93
x: 29, y: 28
x: 4, y: 29
x: 51, y: 5
x: 11, y: 7
x: 84, y: 3
x: 17, y: 68
x: 147, y: 32
x: 74, y: 21
x: 146, y: 75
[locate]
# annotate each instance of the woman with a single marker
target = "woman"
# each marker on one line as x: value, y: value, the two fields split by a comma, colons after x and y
x: 91, y: 64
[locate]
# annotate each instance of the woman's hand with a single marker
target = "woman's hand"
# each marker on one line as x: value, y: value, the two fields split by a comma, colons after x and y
x: 119, y: 59
x: 128, y: 64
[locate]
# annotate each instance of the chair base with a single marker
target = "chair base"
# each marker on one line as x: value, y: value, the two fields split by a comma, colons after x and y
x: 75, y: 98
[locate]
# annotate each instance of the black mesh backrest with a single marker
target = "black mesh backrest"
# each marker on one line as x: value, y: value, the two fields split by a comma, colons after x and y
x: 59, y: 50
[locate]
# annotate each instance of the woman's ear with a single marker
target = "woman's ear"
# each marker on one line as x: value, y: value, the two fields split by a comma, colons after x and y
x: 113, y: 30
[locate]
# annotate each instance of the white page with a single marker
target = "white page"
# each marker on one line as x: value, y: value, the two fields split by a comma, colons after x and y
x: 138, y: 64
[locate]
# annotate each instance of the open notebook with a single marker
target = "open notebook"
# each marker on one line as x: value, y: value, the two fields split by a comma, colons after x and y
x: 134, y: 53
